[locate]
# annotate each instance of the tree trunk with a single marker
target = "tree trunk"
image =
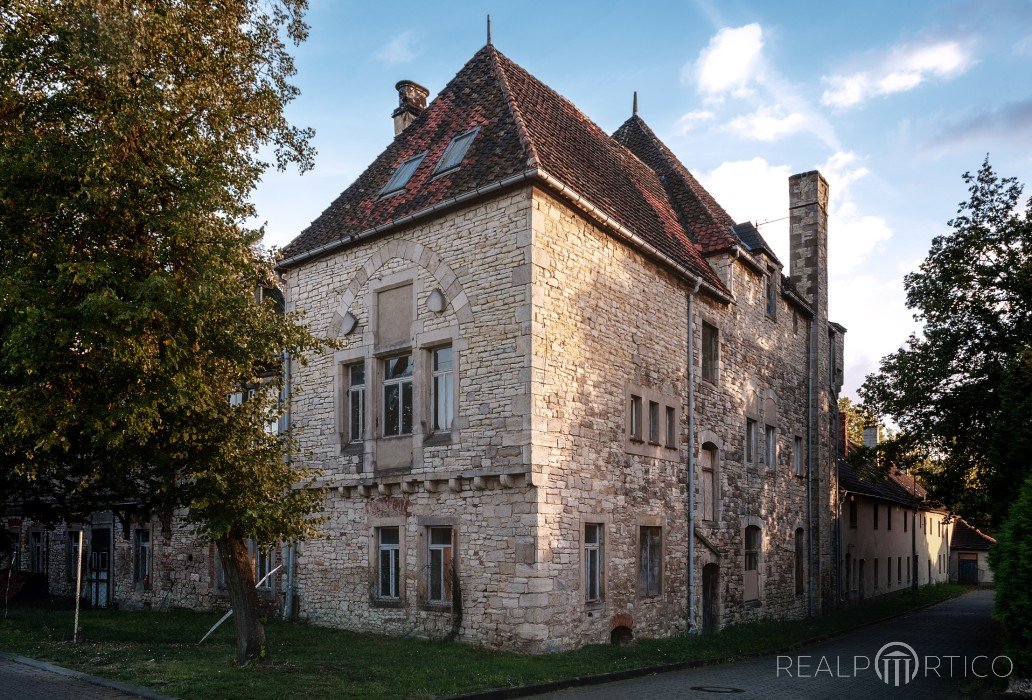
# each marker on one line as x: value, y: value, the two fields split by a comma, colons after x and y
x: 239, y: 572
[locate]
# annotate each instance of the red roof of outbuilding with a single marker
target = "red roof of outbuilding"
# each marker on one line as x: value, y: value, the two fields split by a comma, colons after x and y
x: 969, y: 539
x: 524, y: 126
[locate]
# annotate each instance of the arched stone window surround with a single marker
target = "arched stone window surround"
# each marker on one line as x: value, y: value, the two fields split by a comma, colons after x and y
x: 457, y: 299
x: 710, y: 440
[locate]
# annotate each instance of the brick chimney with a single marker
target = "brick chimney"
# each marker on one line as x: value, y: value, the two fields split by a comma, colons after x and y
x: 411, y: 101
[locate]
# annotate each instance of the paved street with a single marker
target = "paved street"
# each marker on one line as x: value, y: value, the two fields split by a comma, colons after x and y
x: 960, y: 627
x: 22, y: 682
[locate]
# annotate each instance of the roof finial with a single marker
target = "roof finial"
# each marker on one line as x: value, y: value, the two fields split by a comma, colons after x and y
x: 489, y: 30
x: 635, y: 112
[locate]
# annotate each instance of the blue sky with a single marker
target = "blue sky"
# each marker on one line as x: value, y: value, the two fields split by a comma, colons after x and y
x: 892, y: 101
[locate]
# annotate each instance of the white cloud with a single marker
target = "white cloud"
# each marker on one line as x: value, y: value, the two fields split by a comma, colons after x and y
x: 731, y: 63
x: 768, y: 124
x: 400, y: 49
x: 871, y: 307
x: 903, y: 68
x: 689, y: 121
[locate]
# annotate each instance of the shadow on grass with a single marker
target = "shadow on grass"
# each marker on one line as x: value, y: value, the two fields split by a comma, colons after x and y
x: 160, y: 651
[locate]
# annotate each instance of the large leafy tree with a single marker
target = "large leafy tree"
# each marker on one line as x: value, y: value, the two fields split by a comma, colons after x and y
x: 132, y: 133
x: 961, y: 391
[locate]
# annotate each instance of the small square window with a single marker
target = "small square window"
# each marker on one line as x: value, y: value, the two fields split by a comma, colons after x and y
x: 402, y: 174
x: 456, y: 151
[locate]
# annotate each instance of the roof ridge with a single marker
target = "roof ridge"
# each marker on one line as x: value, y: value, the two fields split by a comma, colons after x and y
x: 514, y: 109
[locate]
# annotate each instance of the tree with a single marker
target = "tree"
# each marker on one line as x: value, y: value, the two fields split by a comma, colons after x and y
x: 133, y: 133
x: 1011, y: 559
x: 960, y: 391
x: 858, y: 417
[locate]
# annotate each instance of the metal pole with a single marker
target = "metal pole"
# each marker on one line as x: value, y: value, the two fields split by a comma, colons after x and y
x: 76, y: 636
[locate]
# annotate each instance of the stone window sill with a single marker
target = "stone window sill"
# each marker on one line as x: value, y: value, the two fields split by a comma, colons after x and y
x: 392, y: 603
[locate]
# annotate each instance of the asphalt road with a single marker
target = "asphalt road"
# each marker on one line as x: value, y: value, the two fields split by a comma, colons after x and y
x: 844, y: 667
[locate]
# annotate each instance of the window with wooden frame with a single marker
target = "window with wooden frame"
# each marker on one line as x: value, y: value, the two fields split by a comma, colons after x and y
x: 710, y: 352
x: 636, y: 417
x: 142, y: 558
x: 356, y: 401
x: 397, y: 396
x: 388, y: 563
x: 650, y: 561
x: 708, y: 464
x: 751, y: 430
x: 440, y: 563
x: 751, y: 574
x: 654, y: 425
x: 442, y: 389
x: 594, y: 541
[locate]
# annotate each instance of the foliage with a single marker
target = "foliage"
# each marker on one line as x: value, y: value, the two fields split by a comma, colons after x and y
x: 1011, y: 561
x: 160, y: 650
x: 948, y: 388
x: 132, y: 136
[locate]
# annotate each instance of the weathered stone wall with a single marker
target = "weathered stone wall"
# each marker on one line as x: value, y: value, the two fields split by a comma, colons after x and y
x: 605, y: 318
x: 474, y: 478
x: 182, y: 571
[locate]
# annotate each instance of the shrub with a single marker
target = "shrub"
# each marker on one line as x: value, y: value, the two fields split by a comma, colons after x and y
x: 1011, y: 560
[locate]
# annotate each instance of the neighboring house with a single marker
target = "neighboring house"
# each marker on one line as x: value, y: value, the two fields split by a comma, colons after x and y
x: 889, y: 535
x: 969, y: 554
x: 575, y: 401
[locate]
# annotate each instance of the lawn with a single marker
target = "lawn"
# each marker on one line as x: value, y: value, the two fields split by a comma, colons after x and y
x: 160, y: 651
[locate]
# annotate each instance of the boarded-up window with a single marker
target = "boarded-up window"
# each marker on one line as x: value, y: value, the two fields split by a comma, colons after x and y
x: 650, y: 561
x: 709, y: 483
x: 394, y: 315
x: 710, y: 352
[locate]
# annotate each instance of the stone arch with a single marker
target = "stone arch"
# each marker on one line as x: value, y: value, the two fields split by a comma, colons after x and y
x: 418, y: 254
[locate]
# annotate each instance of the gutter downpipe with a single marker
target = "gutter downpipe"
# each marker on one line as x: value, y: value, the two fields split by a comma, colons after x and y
x: 811, y: 344
x: 288, y: 600
x: 691, y: 458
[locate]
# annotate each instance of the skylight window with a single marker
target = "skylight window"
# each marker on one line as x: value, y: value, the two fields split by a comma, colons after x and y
x: 403, y: 174
x: 456, y: 151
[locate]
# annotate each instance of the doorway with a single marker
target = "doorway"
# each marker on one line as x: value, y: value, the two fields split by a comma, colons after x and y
x: 968, y: 570
x: 98, y: 577
x: 710, y: 598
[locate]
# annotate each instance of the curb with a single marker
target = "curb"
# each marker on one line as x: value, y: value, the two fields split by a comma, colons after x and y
x: 95, y: 680
x: 519, y: 691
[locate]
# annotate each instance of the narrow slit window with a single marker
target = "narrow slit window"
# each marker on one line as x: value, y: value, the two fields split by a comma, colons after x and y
x: 402, y: 174
x: 671, y: 427
x: 456, y: 151
x: 654, y: 422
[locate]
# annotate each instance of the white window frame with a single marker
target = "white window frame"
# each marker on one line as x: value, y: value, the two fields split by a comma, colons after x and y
x: 399, y: 382
x: 356, y: 399
x: 442, y: 378
x: 392, y: 551
x: 594, y: 567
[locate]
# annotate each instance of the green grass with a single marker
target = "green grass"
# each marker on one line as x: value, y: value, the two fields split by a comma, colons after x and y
x: 160, y: 651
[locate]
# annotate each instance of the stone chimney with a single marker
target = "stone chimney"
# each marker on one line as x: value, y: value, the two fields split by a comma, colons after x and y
x: 808, y: 238
x: 411, y: 102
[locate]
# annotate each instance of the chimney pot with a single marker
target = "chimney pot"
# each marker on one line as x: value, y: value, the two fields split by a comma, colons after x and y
x: 411, y: 102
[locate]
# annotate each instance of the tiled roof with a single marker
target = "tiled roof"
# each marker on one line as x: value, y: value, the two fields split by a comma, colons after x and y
x: 524, y: 125
x: 750, y: 237
x: 969, y: 538
x: 897, y: 488
x: 707, y: 222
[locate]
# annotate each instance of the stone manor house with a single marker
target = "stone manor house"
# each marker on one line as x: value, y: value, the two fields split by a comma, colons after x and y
x: 576, y: 401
